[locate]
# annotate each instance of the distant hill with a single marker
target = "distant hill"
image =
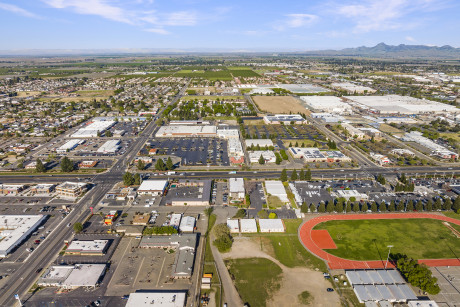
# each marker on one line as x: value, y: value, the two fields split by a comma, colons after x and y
x: 383, y: 50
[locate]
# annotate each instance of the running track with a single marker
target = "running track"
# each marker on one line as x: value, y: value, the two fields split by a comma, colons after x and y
x: 334, y: 262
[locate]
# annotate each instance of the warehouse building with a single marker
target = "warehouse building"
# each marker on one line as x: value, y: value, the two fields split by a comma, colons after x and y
x: 248, y: 226
x: 330, y: 104
x: 236, y: 188
x: 190, y: 193
x: 262, y: 143
x: 312, y: 154
x: 184, y: 245
x: 152, y: 187
x: 268, y: 155
x: 175, y: 220
x: 271, y: 225
x: 69, y: 145
x: 14, y: 229
x: 71, y: 189
x: 354, y: 132
x: 111, y: 146
x: 328, y: 117
x: 380, y: 286
x: 436, y: 149
x: 164, y: 298
x: 187, y: 131
x: 187, y: 224
x: 233, y: 225
x: 353, y: 88
x: 88, y: 248
x: 276, y: 188
x: 93, y: 129
x: 72, y: 277
x: 286, y: 119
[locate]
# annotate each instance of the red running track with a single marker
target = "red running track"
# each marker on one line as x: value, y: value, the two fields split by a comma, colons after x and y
x: 334, y: 262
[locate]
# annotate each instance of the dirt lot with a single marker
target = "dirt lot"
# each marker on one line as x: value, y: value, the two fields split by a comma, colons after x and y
x: 295, y: 280
x: 279, y: 104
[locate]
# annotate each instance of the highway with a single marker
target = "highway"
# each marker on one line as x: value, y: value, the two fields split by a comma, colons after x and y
x: 23, y: 279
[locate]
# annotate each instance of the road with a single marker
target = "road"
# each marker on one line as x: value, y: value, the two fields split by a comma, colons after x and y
x: 21, y: 281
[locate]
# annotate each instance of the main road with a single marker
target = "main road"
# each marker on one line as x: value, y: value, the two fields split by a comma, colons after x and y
x: 22, y: 280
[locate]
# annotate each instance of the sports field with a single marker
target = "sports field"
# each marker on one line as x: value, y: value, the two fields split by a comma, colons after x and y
x: 279, y: 104
x: 368, y: 239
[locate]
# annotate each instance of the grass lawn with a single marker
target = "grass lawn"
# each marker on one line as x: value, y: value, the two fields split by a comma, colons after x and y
x: 447, y: 135
x: 290, y: 252
x: 368, y: 239
x: 256, y: 279
x: 452, y: 214
x: 292, y: 225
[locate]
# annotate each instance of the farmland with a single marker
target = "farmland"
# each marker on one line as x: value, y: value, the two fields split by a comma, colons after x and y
x: 279, y: 104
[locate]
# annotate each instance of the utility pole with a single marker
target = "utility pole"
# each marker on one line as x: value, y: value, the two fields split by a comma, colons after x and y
x: 388, y: 257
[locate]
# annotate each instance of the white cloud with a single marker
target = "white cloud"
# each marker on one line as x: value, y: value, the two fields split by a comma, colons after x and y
x: 17, y: 10
x: 180, y: 19
x: 378, y: 15
x: 410, y: 39
x: 158, y: 31
x: 295, y: 21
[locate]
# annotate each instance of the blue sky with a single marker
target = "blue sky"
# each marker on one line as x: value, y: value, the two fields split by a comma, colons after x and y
x: 237, y: 25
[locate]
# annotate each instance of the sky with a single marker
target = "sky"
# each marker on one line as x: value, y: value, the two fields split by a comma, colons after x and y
x: 253, y: 25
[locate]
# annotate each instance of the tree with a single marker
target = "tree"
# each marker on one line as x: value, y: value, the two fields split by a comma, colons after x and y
x: 66, y: 165
x: 312, y: 208
x: 108, y: 134
x: 272, y: 215
x: 419, y: 206
x: 418, y: 275
x: 348, y: 207
x: 364, y: 207
x: 160, y: 165
x: 169, y: 164
x: 137, y: 179
x: 240, y: 214
x: 294, y: 175
x: 261, y: 160
x: 140, y: 165
x: 374, y: 206
x: 208, y: 211
x: 262, y: 214
x: 301, y: 175
x: 308, y: 174
x: 339, y: 206
x: 322, y: 207
x: 447, y: 204
x: 400, y: 206
x: 438, y: 204
x: 77, y: 227
x: 429, y: 205
x: 392, y: 206
x: 330, y: 207
x: 403, y: 178
x: 355, y: 207
x: 456, y: 205
x: 223, y: 240
x: 410, y: 206
x: 283, y: 176
x: 128, y: 179
x: 39, y: 167
x: 383, y: 207
x: 304, y: 208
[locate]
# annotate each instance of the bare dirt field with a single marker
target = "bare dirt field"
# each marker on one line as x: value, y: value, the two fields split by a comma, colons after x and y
x: 279, y: 104
x: 294, y: 281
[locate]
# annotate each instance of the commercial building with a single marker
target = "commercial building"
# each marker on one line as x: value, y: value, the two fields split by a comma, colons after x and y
x: 111, y: 146
x: 110, y: 217
x: 93, y: 129
x: 43, y: 188
x: 248, y: 226
x: 286, y: 119
x: 141, y: 219
x: 402, y: 152
x: 347, y: 194
x: 187, y: 224
x: 157, y: 298
x: 268, y: 155
x: 69, y: 145
x: 353, y: 88
x: 312, y: 154
x: 236, y: 188
x: 11, y: 189
x: 72, y: 277
x: 200, y: 196
x: 152, y: 187
x: 330, y: 104
x: 87, y: 164
x: 328, y: 117
x: 380, y: 159
x: 271, y: 225
x: 436, y: 149
x: 175, y: 220
x: 354, y: 132
x: 187, y: 131
x: 233, y: 225
x: 71, y: 189
x: 184, y: 245
x: 88, y: 248
x: 276, y: 188
x: 14, y: 229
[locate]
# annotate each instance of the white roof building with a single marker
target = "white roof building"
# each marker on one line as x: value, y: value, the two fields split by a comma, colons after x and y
x: 157, y: 298
x: 187, y: 131
x: 87, y: 247
x: 187, y: 224
x: 233, y: 225
x: 154, y: 187
x: 69, y: 145
x: 73, y: 276
x: 276, y: 188
x: 175, y: 220
x: 15, y: 228
x: 237, y: 187
x: 111, y: 146
x: 260, y: 142
x: 331, y: 104
x: 248, y: 225
x: 91, y: 130
x: 271, y: 225
x: 268, y: 155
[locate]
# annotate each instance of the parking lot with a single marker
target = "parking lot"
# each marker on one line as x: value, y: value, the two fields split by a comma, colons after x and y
x: 130, y: 129
x: 194, y: 151
x: 449, y: 282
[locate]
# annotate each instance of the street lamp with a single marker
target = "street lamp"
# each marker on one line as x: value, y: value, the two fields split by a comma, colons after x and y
x: 388, y: 257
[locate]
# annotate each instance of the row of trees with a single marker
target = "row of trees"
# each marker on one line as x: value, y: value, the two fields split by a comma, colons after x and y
x: 341, y: 205
x: 224, y: 240
x: 303, y: 175
x: 130, y: 179
x: 161, y: 166
x: 66, y: 166
x: 418, y: 275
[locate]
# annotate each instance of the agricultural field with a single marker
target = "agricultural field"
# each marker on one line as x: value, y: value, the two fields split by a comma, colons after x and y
x: 390, y: 129
x: 368, y: 239
x: 297, y: 132
x: 256, y: 279
x: 103, y: 93
x: 279, y: 104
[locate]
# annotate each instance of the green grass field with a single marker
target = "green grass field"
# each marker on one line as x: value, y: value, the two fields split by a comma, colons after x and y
x: 256, y: 279
x: 368, y: 239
